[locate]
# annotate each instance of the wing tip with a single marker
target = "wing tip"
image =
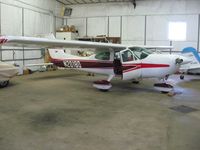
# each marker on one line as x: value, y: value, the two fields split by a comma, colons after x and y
x: 3, y: 40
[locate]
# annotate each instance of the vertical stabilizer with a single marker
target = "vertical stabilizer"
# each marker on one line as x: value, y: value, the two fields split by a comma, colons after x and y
x: 191, y: 53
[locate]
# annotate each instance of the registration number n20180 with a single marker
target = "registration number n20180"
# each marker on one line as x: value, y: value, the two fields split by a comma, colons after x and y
x: 72, y: 64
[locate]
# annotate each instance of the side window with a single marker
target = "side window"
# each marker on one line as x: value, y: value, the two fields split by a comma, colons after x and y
x: 127, y: 56
x: 103, y: 56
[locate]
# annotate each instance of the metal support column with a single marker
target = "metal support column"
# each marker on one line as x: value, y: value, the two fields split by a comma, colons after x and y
x: 145, y: 30
x: 121, y: 28
x: 108, y: 26
x: 23, y: 35
x: 198, y: 38
x: 171, y: 44
x: 0, y: 33
x: 86, y: 26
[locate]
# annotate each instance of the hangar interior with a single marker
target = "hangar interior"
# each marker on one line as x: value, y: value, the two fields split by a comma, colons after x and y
x: 147, y: 24
x: 59, y: 110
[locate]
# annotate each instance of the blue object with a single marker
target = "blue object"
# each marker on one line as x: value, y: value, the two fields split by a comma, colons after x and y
x: 191, y: 50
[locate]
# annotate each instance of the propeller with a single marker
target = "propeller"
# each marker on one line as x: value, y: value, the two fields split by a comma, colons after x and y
x: 178, y: 61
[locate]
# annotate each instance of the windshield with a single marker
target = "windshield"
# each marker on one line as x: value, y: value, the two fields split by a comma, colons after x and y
x: 140, y: 52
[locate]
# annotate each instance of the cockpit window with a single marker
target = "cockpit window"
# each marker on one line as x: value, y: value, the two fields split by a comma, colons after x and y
x: 103, y: 56
x: 140, y: 52
x: 127, y: 56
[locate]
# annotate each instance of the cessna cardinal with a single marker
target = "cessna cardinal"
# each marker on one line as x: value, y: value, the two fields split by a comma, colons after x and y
x: 129, y: 62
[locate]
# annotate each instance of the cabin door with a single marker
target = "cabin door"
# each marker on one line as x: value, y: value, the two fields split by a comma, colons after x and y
x: 130, y: 65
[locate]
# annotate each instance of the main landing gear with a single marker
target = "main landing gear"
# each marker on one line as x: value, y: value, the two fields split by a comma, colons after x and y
x: 182, y: 76
x: 103, y: 85
x: 164, y: 87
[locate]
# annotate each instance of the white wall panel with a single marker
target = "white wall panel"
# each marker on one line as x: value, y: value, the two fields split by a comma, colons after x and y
x: 114, y: 26
x: 97, y: 26
x: 80, y: 24
x: 178, y: 46
x: 59, y: 22
x: 157, y: 26
x: 133, y: 28
x: 32, y: 54
x: 18, y: 54
x: 36, y: 61
x: 7, y: 55
x: 144, y: 7
x: 158, y: 43
x: 133, y: 42
x: 37, y: 23
x: 11, y: 20
x: 38, y: 19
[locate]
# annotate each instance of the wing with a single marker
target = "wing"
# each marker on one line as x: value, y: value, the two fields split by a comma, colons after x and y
x: 19, y: 41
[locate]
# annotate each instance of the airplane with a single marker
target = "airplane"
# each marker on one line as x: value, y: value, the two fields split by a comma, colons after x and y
x: 112, y: 60
x: 194, y: 66
x: 7, y: 71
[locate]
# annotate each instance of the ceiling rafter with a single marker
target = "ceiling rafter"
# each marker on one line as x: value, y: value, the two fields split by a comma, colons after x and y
x: 76, y: 2
x: 71, y: 1
x: 68, y: 2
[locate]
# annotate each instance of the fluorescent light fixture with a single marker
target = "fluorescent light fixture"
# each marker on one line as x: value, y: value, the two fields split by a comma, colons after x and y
x: 177, y: 31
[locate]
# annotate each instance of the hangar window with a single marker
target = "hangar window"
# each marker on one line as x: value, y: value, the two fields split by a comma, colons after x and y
x: 103, y: 56
x: 177, y: 31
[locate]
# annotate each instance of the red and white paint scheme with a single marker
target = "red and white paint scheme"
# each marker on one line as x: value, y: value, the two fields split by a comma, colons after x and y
x: 129, y: 62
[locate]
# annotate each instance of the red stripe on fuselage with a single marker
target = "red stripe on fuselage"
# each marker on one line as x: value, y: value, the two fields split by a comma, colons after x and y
x: 101, y: 64
x: 131, y: 67
x: 85, y: 63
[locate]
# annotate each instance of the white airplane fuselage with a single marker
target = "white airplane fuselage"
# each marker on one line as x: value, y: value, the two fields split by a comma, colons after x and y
x: 153, y: 66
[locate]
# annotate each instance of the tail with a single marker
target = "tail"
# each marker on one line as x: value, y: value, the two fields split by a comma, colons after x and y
x: 191, y: 53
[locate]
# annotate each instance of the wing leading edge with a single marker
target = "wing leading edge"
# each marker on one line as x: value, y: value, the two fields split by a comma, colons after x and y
x: 19, y: 41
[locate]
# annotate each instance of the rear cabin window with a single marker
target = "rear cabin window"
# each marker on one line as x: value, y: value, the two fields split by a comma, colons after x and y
x: 103, y: 56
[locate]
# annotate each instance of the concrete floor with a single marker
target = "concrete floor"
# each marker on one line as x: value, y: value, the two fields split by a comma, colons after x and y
x: 62, y: 111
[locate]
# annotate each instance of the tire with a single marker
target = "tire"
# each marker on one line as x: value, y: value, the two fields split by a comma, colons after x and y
x: 164, y: 92
x: 181, y: 77
x: 135, y: 82
x: 4, y: 84
x: 103, y: 90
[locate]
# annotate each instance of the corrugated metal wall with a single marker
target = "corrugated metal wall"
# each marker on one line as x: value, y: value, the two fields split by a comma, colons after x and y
x: 28, y: 18
x: 147, y: 24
